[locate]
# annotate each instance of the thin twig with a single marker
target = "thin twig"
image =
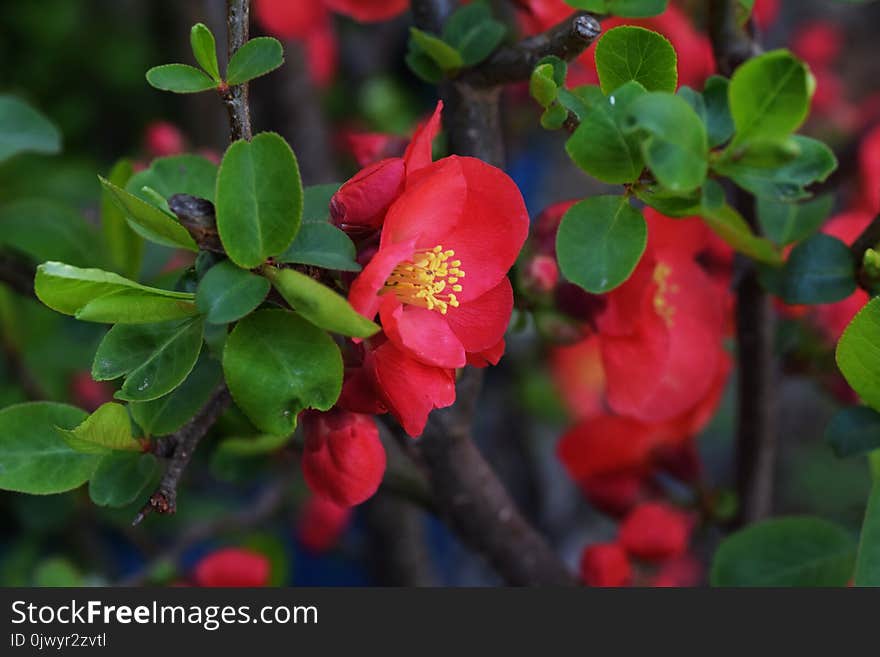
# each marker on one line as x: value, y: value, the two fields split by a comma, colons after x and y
x: 236, y: 97
x: 180, y: 446
x: 730, y: 42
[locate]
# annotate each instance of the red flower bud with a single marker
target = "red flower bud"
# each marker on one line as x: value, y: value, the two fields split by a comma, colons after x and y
x: 88, y: 393
x: 321, y: 523
x: 162, y: 138
x: 361, y: 203
x: 818, y: 43
x: 344, y: 460
x: 605, y: 564
x: 290, y: 20
x: 232, y: 567
x: 541, y: 274
x: 655, y: 531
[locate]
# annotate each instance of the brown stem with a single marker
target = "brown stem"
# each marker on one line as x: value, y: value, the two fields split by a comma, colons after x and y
x: 179, y: 447
x: 236, y: 97
x: 868, y: 239
x: 731, y: 44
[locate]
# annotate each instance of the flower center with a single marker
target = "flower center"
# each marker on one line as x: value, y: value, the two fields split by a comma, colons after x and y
x: 661, y: 303
x: 428, y: 280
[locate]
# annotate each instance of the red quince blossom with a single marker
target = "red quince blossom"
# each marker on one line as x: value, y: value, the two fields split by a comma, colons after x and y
x: 343, y: 459
x: 818, y: 43
x: 655, y: 531
x: 605, y: 564
x: 368, y: 11
x: 162, y: 138
x: 370, y: 147
x: 88, y: 393
x: 233, y: 567
x: 765, y: 13
x: 321, y: 523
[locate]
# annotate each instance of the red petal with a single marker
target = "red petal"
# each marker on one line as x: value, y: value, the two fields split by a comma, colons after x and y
x: 364, y: 293
x: 605, y: 564
x: 424, y: 334
x: 419, y: 153
x: 366, y: 11
x: 489, y: 357
x: 480, y: 324
x: 361, y: 203
x: 603, y: 444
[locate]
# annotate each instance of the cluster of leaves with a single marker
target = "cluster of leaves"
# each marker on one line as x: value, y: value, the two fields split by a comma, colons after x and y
x: 172, y: 342
x: 671, y: 150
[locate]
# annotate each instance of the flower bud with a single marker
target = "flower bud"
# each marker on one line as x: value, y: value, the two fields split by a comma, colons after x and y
x: 163, y: 138
x: 232, y: 567
x: 344, y: 460
x: 88, y: 393
x: 605, y: 564
x: 655, y: 531
x: 541, y: 274
x: 321, y: 523
x: 360, y: 204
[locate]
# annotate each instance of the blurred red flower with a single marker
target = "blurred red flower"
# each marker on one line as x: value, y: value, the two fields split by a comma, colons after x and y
x: 655, y: 531
x: 232, y: 567
x: 343, y: 459
x: 162, y: 138
x: 89, y: 394
x: 368, y: 11
x: 605, y: 564
x: 321, y: 523
x: 818, y: 43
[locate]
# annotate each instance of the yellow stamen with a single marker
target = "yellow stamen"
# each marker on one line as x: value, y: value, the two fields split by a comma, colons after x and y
x: 427, y: 280
x: 661, y: 302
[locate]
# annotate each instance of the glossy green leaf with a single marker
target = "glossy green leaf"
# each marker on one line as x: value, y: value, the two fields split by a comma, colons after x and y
x: 441, y: 53
x: 177, y: 174
x: 24, y: 129
x: 57, y: 572
x: 254, y: 59
x: 121, y: 478
x: 107, y: 429
x: 676, y: 147
x: 322, y: 245
x: 868, y: 561
x: 153, y: 358
x: 319, y: 304
x: 600, y: 242
x: 473, y: 32
x: 96, y: 295
x: 797, y: 551
x: 602, y: 146
x: 730, y: 226
x: 786, y: 223
x: 719, y: 121
x: 35, y: 458
x: 626, y: 8
x: 854, y: 431
x: 148, y: 221
x: 252, y: 445
x: 179, y: 78
x: 316, y: 202
x: 48, y: 230
x: 819, y: 270
x: 277, y: 364
x: 167, y: 414
x: 672, y: 204
x: 259, y: 199
x: 629, y: 53
x: 125, y: 248
x: 204, y: 49
x: 858, y: 353
x: 542, y: 86
x: 228, y: 293
x: 769, y: 96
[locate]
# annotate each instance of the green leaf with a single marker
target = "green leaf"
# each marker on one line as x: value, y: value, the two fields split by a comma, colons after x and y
x: 125, y: 248
x: 730, y: 226
x: 252, y: 445
x: 819, y: 270
x: 786, y: 183
x: 744, y: 11
x: 228, y: 293
x: 672, y: 204
x: 316, y: 202
x: 24, y: 129
x: 179, y: 78
x: 178, y: 174
x: 100, y: 296
x: 121, y: 478
x: 633, y: 53
x: 763, y: 152
x: 35, y: 458
x: 473, y: 32
x: 695, y: 100
x: 601, y: 146
x: 553, y: 118
x: 868, y: 561
x: 786, y: 223
x: 769, y: 96
x: 797, y: 551
x: 259, y: 199
x: 858, y: 353
x: 542, y: 86
x: 278, y: 364
x: 854, y: 431
x: 422, y: 65
x: 205, y: 50
x: 167, y: 414
x: 719, y: 121
x: 48, y: 230
x: 676, y: 148
x: 107, y: 429
x: 625, y: 8
x: 57, y: 572
x: 322, y: 245
x: 154, y: 358
x: 255, y: 58
x: 441, y: 53
x: 319, y: 304
x: 148, y: 221
x: 600, y: 242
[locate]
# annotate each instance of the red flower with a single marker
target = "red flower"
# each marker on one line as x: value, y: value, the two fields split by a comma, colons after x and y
x: 369, y: 147
x: 368, y: 11
x: 541, y: 274
x: 88, y: 393
x: 818, y: 43
x: 233, y: 567
x: 343, y: 460
x: 605, y: 564
x: 162, y: 138
x: 683, y: 571
x: 765, y: 13
x: 655, y: 531
x: 321, y: 523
